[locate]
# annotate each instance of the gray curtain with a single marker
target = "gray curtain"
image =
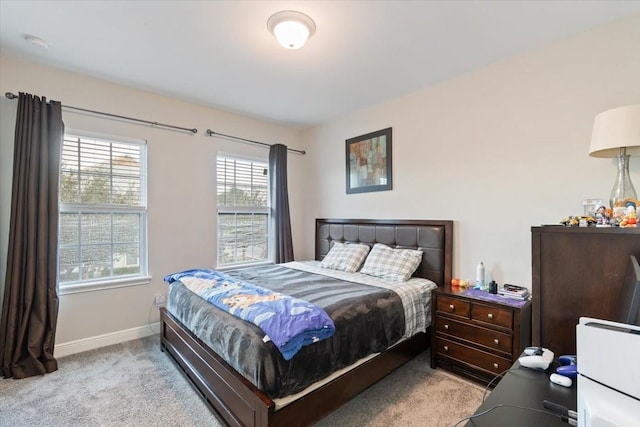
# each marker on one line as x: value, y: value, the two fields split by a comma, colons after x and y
x: 30, y: 305
x: 280, y: 203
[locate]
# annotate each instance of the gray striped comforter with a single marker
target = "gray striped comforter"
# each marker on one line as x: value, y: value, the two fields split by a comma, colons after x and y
x: 368, y: 320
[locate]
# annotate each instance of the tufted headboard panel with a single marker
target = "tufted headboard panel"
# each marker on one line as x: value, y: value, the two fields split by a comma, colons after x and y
x: 433, y: 237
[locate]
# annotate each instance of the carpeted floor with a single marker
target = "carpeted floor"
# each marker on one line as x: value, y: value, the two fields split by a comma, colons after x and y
x: 135, y: 384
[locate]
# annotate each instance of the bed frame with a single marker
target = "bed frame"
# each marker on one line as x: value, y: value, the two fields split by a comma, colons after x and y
x: 237, y: 402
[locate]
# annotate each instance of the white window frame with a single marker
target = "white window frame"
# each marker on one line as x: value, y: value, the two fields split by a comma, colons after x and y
x: 262, y: 210
x: 142, y: 278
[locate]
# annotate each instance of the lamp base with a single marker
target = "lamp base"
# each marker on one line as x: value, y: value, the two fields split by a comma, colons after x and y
x: 623, y: 192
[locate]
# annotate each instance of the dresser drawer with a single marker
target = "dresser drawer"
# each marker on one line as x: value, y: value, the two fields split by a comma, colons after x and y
x: 492, y: 315
x: 486, y: 337
x: 454, y: 306
x: 471, y: 356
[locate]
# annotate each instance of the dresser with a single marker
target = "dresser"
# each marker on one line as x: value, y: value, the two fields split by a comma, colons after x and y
x: 577, y: 271
x: 474, y: 337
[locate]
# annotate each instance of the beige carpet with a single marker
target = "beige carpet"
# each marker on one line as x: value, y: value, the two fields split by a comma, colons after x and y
x: 414, y: 395
x: 135, y: 384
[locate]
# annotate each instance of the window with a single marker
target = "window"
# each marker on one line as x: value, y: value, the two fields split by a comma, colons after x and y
x: 243, y: 211
x: 102, y: 236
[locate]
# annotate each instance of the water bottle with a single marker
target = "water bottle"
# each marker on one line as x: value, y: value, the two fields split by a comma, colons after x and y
x: 480, y: 276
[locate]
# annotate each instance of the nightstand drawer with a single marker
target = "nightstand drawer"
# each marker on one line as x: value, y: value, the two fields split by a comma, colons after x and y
x: 474, y: 334
x: 454, y: 306
x: 492, y: 315
x: 471, y: 356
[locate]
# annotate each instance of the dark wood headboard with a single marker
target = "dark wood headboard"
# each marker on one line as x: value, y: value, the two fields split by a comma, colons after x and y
x: 433, y: 237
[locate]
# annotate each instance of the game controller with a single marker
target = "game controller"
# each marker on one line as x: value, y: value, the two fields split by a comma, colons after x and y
x: 533, y: 351
x: 560, y: 380
x: 568, y: 360
x: 537, y: 361
x: 568, y: 366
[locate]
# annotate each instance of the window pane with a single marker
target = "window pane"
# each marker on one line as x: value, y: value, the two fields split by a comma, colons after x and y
x: 242, y: 183
x: 126, y: 260
x: 95, y: 228
x: 226, y: 238
x: 69, y: 260
x: 260, y: 185
x: 101, y: 172
x: 250, y: 238
x: 242, y: 187
x: 96, y: 261
x: 69, y: 169
x: 69, y: 230
x: 126, y: 190
x: 95, y: 188
x: 242, y: 238
x: 126, y: 175
x: 126, y: 228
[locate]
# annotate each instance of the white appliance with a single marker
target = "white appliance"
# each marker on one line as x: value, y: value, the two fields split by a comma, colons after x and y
x: 608, y: 356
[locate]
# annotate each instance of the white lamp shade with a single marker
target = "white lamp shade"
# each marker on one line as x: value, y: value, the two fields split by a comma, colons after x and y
x: 291, y: 28
x: 614, y: 129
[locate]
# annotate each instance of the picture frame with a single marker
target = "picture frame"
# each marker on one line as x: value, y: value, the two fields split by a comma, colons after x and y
x: 591, y: 206
x: 368, y: 162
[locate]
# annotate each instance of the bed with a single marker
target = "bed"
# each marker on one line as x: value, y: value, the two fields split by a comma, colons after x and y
x: 237, y: 401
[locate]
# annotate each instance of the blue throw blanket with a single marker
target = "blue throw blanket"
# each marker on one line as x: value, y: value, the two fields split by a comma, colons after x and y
x: 289, y: 322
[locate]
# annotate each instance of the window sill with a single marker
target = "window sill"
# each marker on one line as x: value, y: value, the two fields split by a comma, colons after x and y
x: 243, y: 265
x: 100, y: 285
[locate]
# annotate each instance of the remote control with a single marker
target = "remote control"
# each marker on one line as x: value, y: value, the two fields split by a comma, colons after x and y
x: 560, y: 380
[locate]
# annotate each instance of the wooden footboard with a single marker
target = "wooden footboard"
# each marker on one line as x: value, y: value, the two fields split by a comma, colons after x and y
x: 237, y: 402
x: 234, y: 399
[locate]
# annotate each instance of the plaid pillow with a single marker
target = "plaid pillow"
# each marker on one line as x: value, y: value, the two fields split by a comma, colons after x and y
x: 389, y: 263
x: 345, y: 257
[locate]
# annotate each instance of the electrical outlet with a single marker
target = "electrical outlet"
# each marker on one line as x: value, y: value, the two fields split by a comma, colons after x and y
x: 159, y: 300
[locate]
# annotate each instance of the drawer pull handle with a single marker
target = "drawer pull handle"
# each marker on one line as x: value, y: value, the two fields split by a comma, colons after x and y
x: 496, y: 341
x: 495, y: 365
x: 452, y: 307
x: 446, y: 327
x: 490, y: 315
x: 446, y: 348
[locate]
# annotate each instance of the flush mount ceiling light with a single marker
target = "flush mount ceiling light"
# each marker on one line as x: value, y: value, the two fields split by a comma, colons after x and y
x: 291, y: 28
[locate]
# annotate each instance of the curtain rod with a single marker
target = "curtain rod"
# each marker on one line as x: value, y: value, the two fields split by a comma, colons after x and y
x: 211, y: 133
x: 10, y: 95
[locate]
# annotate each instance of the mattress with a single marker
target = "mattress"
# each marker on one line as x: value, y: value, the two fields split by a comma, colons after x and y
x: 368, y: 320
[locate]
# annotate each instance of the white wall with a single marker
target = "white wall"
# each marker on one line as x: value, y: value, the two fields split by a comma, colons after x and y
x: 181, y: 185
x: 498, y: 150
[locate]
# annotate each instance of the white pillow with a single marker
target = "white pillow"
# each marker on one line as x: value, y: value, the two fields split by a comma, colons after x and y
x: 389, y: 263
x: 345, y: 257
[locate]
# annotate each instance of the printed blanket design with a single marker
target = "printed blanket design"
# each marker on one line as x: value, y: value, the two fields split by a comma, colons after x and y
x: 290, y: 323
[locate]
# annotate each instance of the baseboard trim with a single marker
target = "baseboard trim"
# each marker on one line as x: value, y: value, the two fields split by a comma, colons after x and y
x: 91, y: 343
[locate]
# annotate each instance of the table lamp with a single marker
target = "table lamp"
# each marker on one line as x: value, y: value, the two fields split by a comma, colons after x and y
x: 616, y: 133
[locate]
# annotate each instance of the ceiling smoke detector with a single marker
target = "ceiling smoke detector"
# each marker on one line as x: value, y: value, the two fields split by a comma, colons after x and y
x: 36, y: 41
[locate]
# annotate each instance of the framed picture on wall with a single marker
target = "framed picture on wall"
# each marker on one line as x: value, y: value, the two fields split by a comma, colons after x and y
x: 369, y: 162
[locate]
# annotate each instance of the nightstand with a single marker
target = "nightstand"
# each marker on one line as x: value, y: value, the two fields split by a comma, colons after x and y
x: 476, y: 334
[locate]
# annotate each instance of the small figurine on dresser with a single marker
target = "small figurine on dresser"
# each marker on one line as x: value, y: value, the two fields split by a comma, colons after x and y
x: 629, y: 219
x: 607, y: 217
x: 602, y: 217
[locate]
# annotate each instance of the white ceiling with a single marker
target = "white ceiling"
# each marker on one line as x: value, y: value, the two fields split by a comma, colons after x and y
x: 220, y: 54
